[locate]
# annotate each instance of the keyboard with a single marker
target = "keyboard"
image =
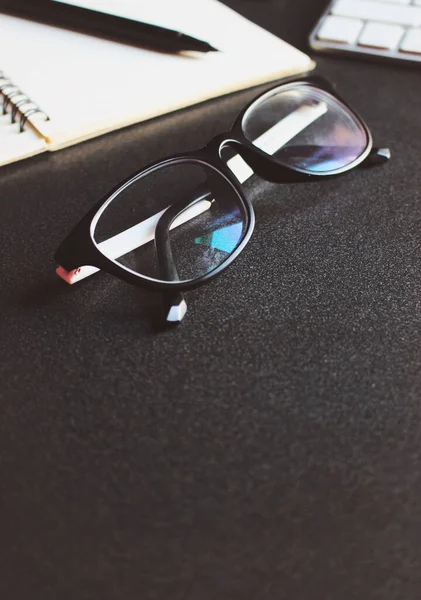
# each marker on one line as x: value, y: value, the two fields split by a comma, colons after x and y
x: 377, y: 29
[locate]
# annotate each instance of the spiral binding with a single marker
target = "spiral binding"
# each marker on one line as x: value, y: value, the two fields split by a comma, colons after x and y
x: 22, y: 106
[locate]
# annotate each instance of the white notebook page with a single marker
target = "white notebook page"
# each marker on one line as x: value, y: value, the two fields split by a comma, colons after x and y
x: 90, y: 86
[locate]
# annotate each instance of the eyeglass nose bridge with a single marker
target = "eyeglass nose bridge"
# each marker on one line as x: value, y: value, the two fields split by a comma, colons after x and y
x: 262, y: 164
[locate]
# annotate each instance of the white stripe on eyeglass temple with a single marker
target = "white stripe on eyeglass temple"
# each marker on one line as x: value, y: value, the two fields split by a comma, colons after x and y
x: 270, y: 142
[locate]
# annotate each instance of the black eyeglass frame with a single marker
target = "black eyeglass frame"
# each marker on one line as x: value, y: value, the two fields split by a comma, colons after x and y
x: 80, y: 249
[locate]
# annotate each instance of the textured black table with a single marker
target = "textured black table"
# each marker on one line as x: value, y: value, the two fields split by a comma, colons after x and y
x: 269, y: 447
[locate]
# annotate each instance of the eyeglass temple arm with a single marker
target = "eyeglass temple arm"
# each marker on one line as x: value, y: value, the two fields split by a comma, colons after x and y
x: 176, y: 306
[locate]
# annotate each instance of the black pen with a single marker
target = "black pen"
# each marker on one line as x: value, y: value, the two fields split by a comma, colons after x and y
x: 102, y: 24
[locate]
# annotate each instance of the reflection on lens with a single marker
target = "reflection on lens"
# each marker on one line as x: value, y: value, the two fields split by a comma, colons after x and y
x: 224, y: 239
x: 209, y: 223
x: 305, y: 127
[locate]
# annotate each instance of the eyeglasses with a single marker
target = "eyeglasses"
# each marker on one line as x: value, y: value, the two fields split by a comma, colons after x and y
x: 182, y: 221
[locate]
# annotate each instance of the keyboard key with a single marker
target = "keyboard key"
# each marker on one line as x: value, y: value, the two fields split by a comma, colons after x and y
x: 379, y: 35
x: 341, y: 30
x: 412, y: 42
x: 373, y: 10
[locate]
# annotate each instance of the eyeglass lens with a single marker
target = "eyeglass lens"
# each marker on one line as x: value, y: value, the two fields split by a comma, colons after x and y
x: 201, y: 238
x: 304, y: 126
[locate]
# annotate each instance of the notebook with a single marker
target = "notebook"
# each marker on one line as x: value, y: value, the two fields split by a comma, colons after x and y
x: 65, y: 87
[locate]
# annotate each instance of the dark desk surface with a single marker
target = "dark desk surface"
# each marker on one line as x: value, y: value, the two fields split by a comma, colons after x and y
x: 269, y: 447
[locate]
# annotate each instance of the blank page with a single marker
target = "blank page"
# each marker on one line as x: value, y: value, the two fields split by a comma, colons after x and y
x: 89, y: 86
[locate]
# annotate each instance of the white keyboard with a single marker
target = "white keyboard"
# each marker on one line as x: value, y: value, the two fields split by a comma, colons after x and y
x: 372, y: 28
